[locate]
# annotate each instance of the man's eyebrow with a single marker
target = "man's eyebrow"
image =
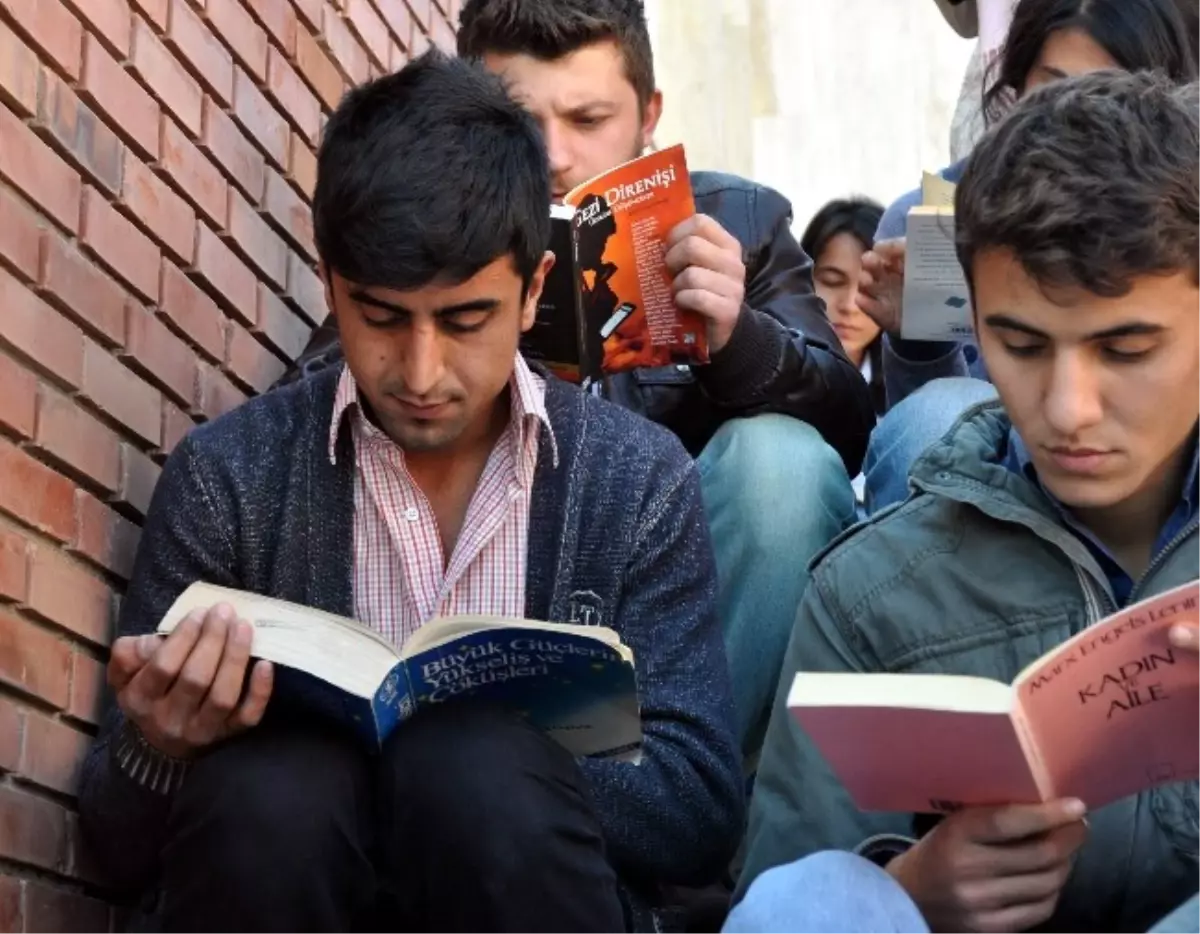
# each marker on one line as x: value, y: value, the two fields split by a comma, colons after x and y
x: 1012, y: 324
x: 475, y: 304
x: 1133, y: 329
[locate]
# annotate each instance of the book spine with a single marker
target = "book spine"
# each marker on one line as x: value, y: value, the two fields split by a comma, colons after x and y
x: 393, y: 703
x: 1033, y: 754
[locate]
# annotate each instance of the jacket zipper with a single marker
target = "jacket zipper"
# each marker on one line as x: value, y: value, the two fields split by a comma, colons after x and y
x: 1171, y: 546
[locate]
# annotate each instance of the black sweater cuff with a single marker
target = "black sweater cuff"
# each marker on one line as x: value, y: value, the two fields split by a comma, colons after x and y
x: 748, y: 362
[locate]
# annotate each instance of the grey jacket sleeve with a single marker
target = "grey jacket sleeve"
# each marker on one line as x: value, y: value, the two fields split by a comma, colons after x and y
x: 676, y: 817
x: 186, y: 538
x: 799, y: 806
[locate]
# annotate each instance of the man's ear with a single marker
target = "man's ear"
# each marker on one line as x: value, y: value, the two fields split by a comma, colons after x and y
x: 537, y: 282
x: 651, y: 114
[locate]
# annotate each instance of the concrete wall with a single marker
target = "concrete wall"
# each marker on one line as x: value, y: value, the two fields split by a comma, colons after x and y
x: 818, y: 98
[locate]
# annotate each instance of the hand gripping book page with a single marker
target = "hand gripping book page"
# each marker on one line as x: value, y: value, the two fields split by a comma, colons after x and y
x: 1108, y: 713
x: 576, y: 683
x: 621, y: 222
x: 937, y: 302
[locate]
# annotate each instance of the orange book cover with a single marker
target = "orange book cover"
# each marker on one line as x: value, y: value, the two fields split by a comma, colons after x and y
x: 622, y: 219
x: 1110, y: 712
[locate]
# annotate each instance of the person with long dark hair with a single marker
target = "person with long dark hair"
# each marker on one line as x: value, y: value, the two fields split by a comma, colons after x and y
x: 1048, y: 40
x: 836, y: 239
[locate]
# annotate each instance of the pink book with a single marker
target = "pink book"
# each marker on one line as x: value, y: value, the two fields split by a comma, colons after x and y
x: 1110, y: 712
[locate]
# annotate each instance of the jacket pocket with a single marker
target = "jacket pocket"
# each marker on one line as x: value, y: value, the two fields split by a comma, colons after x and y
x: 1176, y: 812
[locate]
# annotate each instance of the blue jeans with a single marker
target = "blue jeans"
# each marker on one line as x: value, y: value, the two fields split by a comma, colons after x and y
x: 775, y: 494
x: 841, y: 892
x: 830, y: 891
x: 915, y: 423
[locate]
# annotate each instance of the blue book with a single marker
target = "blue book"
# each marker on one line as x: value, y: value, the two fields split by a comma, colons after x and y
x: 576, y: 683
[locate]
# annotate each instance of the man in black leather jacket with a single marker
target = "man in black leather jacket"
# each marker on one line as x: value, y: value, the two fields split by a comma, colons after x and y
x: 779, y: 420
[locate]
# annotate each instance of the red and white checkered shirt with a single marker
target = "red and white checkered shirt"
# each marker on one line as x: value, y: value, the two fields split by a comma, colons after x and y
x: 399, y: 581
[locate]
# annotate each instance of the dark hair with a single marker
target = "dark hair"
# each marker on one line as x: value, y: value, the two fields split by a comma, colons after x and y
x: 858, y: 217
x: 430, y: 173
x: 1140, y: 35
x: 1091, y: 182
x: 550, y: 29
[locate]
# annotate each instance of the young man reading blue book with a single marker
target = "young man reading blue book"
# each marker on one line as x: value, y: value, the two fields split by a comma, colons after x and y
x: 1076, y: 225
x: 434, y: 474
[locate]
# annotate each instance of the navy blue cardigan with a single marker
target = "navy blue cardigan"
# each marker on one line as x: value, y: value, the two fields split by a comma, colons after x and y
x: 617, y: 533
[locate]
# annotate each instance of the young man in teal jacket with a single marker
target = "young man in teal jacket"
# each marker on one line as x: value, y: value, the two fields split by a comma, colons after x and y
x: 1036, y: 516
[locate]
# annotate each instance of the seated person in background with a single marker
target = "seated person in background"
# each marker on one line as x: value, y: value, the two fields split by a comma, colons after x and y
x: 836, y: 239
x: 1076, y: 227
x: 434, y: 473
x: 1047, y: 40
x: 779, y: 420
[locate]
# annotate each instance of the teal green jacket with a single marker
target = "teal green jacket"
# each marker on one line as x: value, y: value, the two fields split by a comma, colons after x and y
x: 973, y: 574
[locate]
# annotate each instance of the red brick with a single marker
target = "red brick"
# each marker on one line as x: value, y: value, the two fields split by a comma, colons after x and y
x: 259, y: 118
x: 120, y: 394
x: 35, y: 661
x: 70, y: 281
x: 290, y: 213
x: 399, y: 19
x: 247, y: 39
x: 419, y: 44
x: 226, y: 277
x: 127, y: 252
x: 305, y: 290
x: 52, y: 909
x: 195, y: 44
x: 18, y: 236
x: 399, y: 57
x: 286, y: 331
x: 32, y: 829
x: 155, y: 11
x: 52, y: 754
x: 233, y: 151
x: 176, y: 425
x: 18, y: 398
x: 344, y: 47
x: 35, y: 494
x: 104, y: 537
x: 193, y: 313
x: 78, y: 441
x: 32, y: 328
x: 155, y: 352
x: 12, y: 911
x: 154, y: 206
x: 256, y: 241
x: 442, y: 35
x: 64, y: 593
x: 215, y: 394
x: 109, y: 19
x: 36, y: 170
x: 279, y: 19
x: 251, y: 364
x: 293, y: 96
x: 18, y: 73
x: 370, y: 28
x: 108, y: 87
x: 12, y: 735
x: 191, y: 172
x: 310, y: 12
x: 302, y: 167
x: 14, y: 570
x: 166, y: 78
x: 87, y: 688
x: 72, y: 128
x: 139, y: 476
x: 51, y: 27
x: 319, y: 70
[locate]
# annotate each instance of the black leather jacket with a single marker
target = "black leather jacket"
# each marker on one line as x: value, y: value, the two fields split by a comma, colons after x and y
x: 782, y: 357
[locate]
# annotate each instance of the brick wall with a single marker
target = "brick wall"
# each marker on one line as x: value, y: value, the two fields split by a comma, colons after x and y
x: 156, y: 268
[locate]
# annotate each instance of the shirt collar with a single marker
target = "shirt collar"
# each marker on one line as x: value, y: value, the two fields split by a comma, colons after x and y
x: 527, y: 394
